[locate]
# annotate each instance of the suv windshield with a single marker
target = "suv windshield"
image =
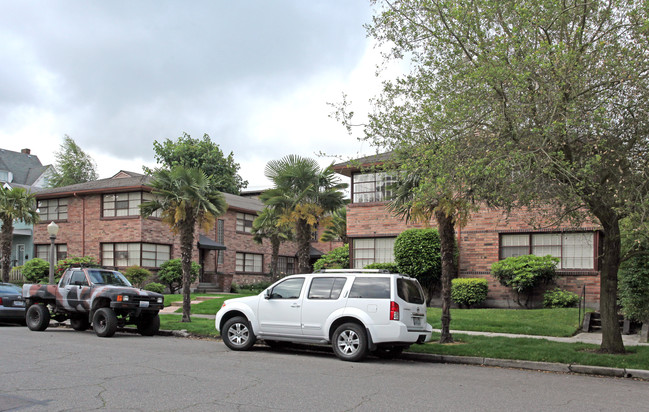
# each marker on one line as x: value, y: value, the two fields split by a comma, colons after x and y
x: 107, y: 277
x: 410, y: 291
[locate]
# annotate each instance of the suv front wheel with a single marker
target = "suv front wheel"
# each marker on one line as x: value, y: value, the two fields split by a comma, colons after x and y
x: 349, y: 342
x: 238, y: 334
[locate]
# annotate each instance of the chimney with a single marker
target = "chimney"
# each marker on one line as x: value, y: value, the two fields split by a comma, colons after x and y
x: 26, y: 151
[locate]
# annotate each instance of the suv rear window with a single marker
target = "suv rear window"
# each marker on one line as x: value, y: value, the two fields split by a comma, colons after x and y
x: 326, y: 288
x: 370, y: 288
x: 410, y: 291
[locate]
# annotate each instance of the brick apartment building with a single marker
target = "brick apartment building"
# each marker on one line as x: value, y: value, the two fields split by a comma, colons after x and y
x: 489, y: 236
x: 102, y: 219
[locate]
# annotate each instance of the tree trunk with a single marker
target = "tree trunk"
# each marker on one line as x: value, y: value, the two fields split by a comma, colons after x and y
x: 5, y: 239
x: 611, y: 334
x: 274, y: 258
x: 446, y: 227
x: 303, y: 234
x: 186, y: 248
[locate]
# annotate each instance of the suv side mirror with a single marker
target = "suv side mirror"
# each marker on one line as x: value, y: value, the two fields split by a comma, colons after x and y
x: 267, y: 294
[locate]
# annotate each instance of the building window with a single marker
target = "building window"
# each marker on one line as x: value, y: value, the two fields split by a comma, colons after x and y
x: 43, y: 252
x: 125, y: 204
x: 372, y: 187
x: 372, y: 250
x: 220, y: 237
x: 244, y: 222
x: 132, y: 254
x: 576, y: 250
x: 286, y: 265
x: 249, y: 262
x: 53, y: 209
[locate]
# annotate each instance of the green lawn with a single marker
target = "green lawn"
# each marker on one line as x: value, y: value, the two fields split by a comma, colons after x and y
x: 545, y: 322
x: 637, y: 357
x: 208, y: 307
x: 198, y: 326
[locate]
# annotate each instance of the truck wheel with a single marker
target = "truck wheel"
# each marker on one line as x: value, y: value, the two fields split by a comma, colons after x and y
x: 148, y: 325
x: 80, y: 323
x: 237, y: 334
x: 349, y: 342
x: 104, y: 322
x: 37, y: 317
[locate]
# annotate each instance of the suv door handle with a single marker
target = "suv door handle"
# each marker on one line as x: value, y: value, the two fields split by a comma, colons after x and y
x: 295, y: 305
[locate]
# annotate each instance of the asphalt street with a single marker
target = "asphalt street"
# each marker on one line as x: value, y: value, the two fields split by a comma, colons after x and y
x: 64, y: 370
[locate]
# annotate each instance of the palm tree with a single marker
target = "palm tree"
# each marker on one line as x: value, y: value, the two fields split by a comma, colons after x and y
x: 267, y: 226
x: 186, y: 197
x: 338, y: 228
x: 15, y: 204
x: 304, y: 194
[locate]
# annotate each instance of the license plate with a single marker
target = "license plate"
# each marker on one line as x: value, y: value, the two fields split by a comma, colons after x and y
x: 416, y: 321
x: 144, y: 303
x: 19, y: 303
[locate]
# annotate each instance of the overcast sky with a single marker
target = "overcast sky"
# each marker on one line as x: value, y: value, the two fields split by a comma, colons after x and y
x: 115, y: 76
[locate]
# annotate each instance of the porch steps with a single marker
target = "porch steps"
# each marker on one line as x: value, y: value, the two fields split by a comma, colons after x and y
x: 207, y: 288
x: 593, y: 322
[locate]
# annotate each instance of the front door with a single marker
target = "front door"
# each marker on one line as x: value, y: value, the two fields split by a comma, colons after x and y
x: 20, y: 255
x: 280, y: 314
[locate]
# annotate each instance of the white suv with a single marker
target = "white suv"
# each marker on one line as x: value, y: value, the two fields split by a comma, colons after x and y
x: 355, y: 311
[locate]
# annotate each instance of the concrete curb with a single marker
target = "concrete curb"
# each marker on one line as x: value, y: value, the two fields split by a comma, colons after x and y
x: 529, y: 365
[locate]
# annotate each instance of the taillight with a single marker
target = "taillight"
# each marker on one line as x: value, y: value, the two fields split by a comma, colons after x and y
x: 394, y: 311
x: 0, y: 301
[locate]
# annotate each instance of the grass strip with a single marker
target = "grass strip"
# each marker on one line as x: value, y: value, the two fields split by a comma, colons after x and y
x: 539, y: 350
x: 198, y: 326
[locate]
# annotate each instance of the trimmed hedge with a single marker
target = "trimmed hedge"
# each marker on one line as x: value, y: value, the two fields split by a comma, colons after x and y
x: 417, y: 253
x: 338, y: 258
x: 137, y: 275
x: 36, y: 270
x: 154, y: 287
x: 392, y: 267
x: 559, y: 298
x: 469, y: 291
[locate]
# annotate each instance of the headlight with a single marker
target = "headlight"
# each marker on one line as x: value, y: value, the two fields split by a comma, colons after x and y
x: 125, y: 298
x: 160, y: 299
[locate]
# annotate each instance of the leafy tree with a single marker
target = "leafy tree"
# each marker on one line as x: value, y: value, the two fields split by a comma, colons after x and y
x: 171, y: 274
x: 137, y: 275
x: 552, y: 97
x: 186, y: 197
x: 16, y: 204
x: 304, y: 194
x: 267, y: 226
x: 338, y: 229
x: 74, y: 261
x: 154, y: 287
x: 417, y: 253
x: 36, y: 270
x: 338, y: 258
x: 201, y: 154
x: 73, y: 165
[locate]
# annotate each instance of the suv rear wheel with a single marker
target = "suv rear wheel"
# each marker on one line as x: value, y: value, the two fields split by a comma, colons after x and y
x: 349, y: 342
x: 238, y: 334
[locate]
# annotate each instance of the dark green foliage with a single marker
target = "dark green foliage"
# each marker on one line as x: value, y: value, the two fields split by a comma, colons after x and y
x: 16, y: 204
x: 392, y: 267
x: 154, y: 287
x: 524, y: 273
x: 338, y: 258
x: 634, y: 289
x: 72, y: 261
x: 558, y: 298
x: 171, y: 274
x: 254, y: 288
x: 202, y: 154
x: 417, y: 253
x: 36, y: 270
x: 73, y: 165
x: 469, y: 291
x: 137, y: 275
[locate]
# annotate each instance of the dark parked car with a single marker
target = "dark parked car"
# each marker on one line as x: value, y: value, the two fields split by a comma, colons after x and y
x: 12, y: 304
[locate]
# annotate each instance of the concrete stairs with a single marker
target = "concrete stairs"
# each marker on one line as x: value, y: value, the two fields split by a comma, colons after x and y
x: 207, y: 288
x: 593, y: 322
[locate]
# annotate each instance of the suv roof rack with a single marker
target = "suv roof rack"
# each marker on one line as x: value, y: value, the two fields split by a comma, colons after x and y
x: 352, y: 271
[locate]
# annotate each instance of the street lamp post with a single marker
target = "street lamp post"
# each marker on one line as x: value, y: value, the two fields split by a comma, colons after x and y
x: 53, y: 230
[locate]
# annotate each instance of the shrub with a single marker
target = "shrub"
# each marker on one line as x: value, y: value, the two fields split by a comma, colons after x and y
x: 36, y: 270
x: 137, y: 275
x: 338, y: 258
x: 171, y: 274
x: 154, y: 287
x: 634, y: 289
x: 559, y: 298
x: 469, y: 291
x: 392, y: 267
x: 256, y: 287
x: 417, y: 253
x: 72, y: 261
x: 525, y: 273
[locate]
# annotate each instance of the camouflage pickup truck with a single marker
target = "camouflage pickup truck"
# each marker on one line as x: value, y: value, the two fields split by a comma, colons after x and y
x: 101, y: 297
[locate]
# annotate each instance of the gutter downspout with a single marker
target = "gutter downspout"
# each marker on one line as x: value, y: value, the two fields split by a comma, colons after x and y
x: 83, y: 223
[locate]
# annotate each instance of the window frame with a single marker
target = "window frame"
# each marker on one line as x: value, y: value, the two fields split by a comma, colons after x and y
x: 60, y: 254
x: 379, y: 191
x: 130, y: 261
x: 243, y: 222
x: 560, y: 246
x: 45, y: 204
x: 286, y: 263
x: 134, y: 198
x: 354, y: 252
x: 244, y: 256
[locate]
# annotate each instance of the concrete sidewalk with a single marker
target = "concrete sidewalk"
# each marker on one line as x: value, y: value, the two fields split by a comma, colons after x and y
x: 592, y: 337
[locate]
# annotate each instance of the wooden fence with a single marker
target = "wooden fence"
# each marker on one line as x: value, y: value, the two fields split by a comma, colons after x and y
x: 15, y: 276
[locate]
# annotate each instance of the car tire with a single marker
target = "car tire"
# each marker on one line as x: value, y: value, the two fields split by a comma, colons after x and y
x: 104, y: 322
x: 349, y: 342
x: 37, y: 317
x: 237, y: 334
x: 80, y: 323
x: 148, y: 325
